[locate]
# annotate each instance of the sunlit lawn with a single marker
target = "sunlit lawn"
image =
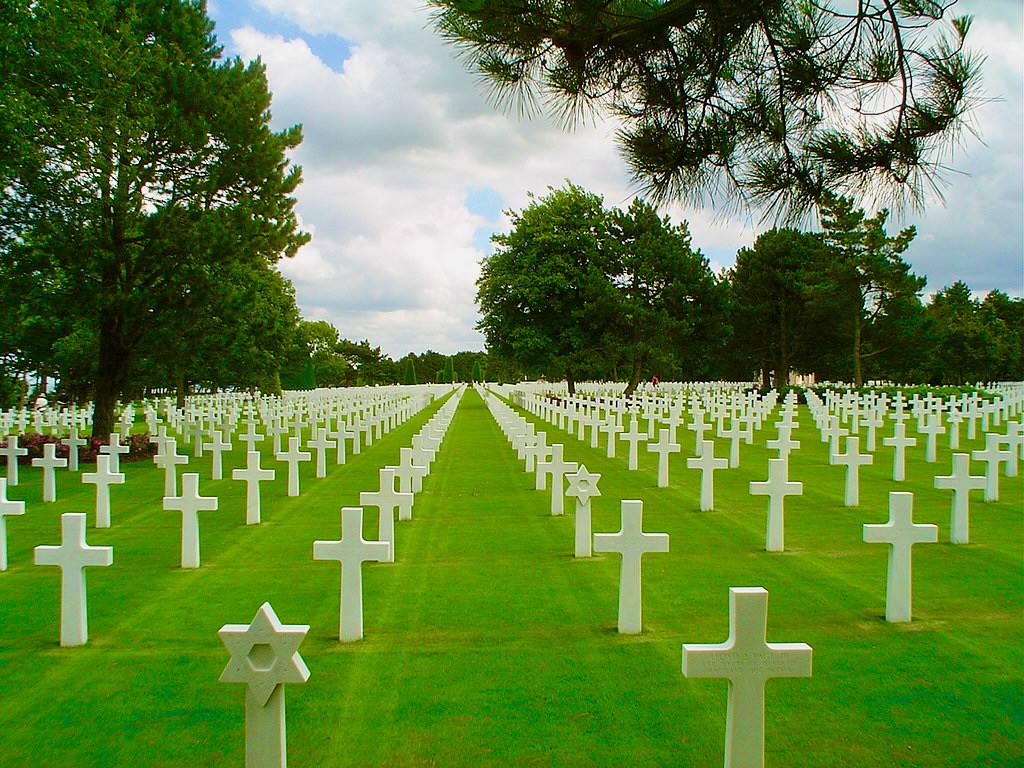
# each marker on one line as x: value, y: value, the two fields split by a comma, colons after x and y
x: 488, y: 644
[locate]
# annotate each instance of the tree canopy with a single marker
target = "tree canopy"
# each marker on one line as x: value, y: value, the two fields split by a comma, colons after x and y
x: 576, y: 290
x: 142, y: 187
x: 761, y: 103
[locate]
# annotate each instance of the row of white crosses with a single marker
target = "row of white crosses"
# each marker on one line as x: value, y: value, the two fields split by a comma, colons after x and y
x: 871, y: 413
x: 190, y: 502
x: 778, y: 486
x: 352, y: 550
x: 631, y: 542
x: 74, y: 554
x: 704, y: 458
x: 900, y: 532
x: 746, y: 660
x: 264, y: 652
x: 830, y: 414
x: 543, y: 461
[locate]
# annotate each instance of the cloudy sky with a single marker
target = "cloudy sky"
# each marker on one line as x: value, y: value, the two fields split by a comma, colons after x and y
x: 408, y: 168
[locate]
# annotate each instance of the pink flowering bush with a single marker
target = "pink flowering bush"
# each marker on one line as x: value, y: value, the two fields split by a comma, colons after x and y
x: 139, y: 446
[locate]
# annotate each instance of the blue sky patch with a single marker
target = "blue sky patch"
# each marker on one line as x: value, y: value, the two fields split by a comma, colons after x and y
x: 234, y: 14
x: 484, y: 201
x: 482, y: 240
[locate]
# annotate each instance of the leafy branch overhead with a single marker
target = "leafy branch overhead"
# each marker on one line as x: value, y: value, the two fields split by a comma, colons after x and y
x: 761, y: 103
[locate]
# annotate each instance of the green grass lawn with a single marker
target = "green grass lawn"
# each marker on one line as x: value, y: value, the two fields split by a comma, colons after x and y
x: 488, y: 644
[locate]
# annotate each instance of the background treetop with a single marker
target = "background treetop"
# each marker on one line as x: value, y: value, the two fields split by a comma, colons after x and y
x: 760, y: 103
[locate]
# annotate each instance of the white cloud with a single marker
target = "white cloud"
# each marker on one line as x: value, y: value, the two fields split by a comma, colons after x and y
x: 398, y: 134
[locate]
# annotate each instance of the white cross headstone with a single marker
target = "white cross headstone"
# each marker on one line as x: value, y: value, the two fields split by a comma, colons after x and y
x: 961, y: 482
x: 612, y: 428
x: 250, y: 437
x: 747, y: 661
x: 900, y: 442
x: 190, y: 504
x: 276, y: 429
x: 293, y: 456
x: 115, y: 451
x: 103, y: 478
x: 7, y: 507
x: 168, y: 459
x: 1014, y: 441
x: 784, y: 443
x: 72, y: 557
x: 932, y: 428
x: 663, y: 447
x: 558, y: 468
x: 698, y: 426
x: 217, y: 446
x: 357, y: 428
x: 734, y: 433
x: 900, y: 533
x: 537, y: 451
x: 632, y: 543
x: 264, y: 656
x: 853, y: 460
x: 707, y: 464
x: 73, y: 442
x: 320, y: 444
x: 410, y: 475
x: 831, y: 433
x: 386, y: 499
x: 351, y: 550
x: 12, y: 451
x: 993, y: 456
x: 633, y: 437
x: 49, y: 462
x: 253, y: 475
x: 776, y: 488
x: 583, y: 487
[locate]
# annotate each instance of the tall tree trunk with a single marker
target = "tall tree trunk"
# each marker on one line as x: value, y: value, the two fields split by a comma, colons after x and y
x: 184, y: 390
x: 634, y: 376
x: 112, y: 373
x: 858, y: 374
x: 782, y: 368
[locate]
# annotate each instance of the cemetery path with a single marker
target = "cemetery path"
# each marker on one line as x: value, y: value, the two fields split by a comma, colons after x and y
x: 487, y: 610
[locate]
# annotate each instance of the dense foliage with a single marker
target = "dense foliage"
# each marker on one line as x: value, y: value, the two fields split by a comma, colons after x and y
x: 145, y: 201
x: 576, y: 291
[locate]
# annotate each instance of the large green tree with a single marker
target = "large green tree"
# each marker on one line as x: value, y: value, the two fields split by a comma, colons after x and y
x: 665, y: 305
x: 238, y: 336
x: 864, y: 281
x: 540, y: 292
x: 576, y: 290
x: 1006, y: 317
x: 768, y: 300
x: 139, y: 171
x: 974, y: 341
x: 762, y: 102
